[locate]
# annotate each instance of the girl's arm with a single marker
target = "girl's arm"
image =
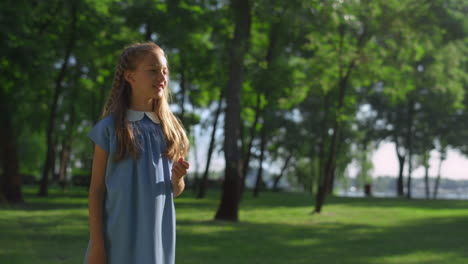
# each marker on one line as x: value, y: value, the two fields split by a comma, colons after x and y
x: 178, y: 186
x: 97, y: 190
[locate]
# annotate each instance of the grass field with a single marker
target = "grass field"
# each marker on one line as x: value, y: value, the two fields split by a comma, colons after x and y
x: 275, y: 228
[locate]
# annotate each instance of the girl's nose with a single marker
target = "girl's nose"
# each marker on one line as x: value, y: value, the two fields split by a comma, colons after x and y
x: 161, y: 76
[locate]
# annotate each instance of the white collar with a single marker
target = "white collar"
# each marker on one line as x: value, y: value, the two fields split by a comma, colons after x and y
x: 133, y: 115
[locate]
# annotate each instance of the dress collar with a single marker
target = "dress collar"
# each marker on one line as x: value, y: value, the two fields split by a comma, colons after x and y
x: 133, y: 115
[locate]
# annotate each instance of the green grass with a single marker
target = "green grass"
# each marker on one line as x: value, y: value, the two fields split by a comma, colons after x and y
x: 275, y: 228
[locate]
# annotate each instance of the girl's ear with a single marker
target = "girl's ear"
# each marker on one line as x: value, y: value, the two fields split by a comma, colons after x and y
x: 128, y: 75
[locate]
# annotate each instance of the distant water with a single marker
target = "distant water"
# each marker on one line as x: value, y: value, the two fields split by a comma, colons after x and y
x: 417, y: 195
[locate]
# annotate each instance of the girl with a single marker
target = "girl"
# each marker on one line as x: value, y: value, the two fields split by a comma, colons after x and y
x: 138, y: 165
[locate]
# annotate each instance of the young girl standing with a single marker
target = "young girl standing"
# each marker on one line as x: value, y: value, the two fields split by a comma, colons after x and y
x: 138, y: 165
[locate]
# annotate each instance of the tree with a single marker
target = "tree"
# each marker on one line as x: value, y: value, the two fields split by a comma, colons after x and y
x: 228, y: 209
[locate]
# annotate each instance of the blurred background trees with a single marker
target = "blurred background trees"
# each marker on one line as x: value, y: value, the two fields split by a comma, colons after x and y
x: 299, y: 89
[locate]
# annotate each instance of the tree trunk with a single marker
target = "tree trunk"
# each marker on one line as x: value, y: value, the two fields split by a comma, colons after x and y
x: 66, y: 145
x: 323, y: 133
x: 410, y: 146
x: 326, y: 180
x: 426, y: 174
x: 64, y: 159
x: 204, y: 180
x: 439, y: 174
x: 228, y: 209
x: 259, y: 181
x: 50, y: 156
x: 193, y: 183
x: 410, y: 171
x: 270, y: 56
x: 183, y: 88
x: 10, y: 179
x: 342, y: 85
x: 55, y: 176
x: 148, y: 30
x: 283, y: 169
x: 248, y: 152
x: 332, y: 179
x: 400, y: 184
x: 333, y: 174
x: 315, y: 171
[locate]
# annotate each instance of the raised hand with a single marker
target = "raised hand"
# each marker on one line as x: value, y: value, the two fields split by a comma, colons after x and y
x: 180, y: 168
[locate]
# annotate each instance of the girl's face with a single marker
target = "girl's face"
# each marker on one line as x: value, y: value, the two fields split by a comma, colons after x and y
x: 149, y: 80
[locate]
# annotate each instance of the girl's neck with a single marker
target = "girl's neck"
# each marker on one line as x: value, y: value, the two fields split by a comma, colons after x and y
x: 142, y: 106
x: 152, y: 105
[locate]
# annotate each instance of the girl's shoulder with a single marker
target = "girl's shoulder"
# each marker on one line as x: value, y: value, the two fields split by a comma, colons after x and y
x: 108, y: 120
x: 106, y: 123
x: 104, y: 126
x: 102, y: 132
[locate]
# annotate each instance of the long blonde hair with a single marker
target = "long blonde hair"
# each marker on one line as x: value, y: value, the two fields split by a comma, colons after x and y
x: 118, y: 103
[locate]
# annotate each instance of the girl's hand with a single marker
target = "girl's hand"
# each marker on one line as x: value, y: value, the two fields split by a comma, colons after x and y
x: 179, y: 169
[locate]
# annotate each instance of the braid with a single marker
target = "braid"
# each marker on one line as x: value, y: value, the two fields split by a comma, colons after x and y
x: 117, y: 85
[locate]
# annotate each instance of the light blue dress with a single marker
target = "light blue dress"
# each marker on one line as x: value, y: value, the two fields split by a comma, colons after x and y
x: 139, y: 213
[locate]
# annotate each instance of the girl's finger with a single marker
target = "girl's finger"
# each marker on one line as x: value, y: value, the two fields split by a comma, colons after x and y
x: 178, y: 171
x: 183, y: 171
x: 182, y: 166
x: 178, y: 166
x: 184, y: 162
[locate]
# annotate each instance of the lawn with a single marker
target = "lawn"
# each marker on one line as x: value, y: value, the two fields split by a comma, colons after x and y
x: 274, y: 228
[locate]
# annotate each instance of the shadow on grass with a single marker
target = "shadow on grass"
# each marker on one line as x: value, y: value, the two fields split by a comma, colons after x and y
x: 399, y: 202
x: 53, y: 202
x: 61, y: 237
x: 41, y: 206
x: 293, y: 199
x: 325, y: 243
x: 56, y: 191
x: 44, y: 237
x: 57, y: 199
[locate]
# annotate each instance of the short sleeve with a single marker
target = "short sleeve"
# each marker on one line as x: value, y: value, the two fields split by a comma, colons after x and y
x: 100, y: 133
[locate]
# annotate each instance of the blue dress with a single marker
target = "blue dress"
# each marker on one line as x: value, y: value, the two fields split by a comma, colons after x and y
x: 139, y: 213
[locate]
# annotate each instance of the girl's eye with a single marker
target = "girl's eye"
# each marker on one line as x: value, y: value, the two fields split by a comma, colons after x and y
x: 165, y: 72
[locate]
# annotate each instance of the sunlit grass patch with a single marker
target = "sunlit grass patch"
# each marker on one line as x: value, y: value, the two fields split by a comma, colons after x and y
x: 274, y: 228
